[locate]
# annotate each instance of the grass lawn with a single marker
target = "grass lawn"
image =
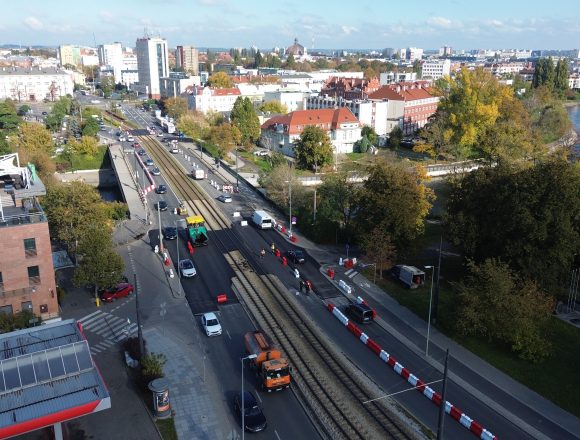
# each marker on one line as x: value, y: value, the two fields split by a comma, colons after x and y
x: 167, y: 428
x: 253, y: 162
x: 86, y: 162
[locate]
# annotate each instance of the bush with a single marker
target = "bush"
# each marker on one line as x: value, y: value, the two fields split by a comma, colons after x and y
x: 152, y: 366
x: 16, y: 321
x: 131, y: 346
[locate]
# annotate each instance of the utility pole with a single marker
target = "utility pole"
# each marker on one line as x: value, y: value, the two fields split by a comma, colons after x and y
x: 290, y: 198
x: 139, y: 330
x: 436, y: 296
x: 314, y: 211
x: 159, y: 220
x: 442, y: 406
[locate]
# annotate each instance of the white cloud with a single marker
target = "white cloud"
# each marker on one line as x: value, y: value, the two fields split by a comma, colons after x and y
x: 440, y: 22
x: 33, y: 23
x: 348, y: 29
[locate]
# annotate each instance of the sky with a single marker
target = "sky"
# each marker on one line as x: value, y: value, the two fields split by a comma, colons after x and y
x: 328, y: 24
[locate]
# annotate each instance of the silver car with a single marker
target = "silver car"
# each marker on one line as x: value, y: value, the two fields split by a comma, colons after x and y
x: 187, y: 268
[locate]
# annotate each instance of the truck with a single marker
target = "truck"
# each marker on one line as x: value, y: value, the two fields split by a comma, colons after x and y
x: 198, y: 174
x: 262, y: 219
x: 408, y: 275
x: 196, y: 230
x: 272, y: 370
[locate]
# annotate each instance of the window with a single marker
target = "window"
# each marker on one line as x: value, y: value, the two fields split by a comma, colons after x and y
x: 26, y: 306
x: 1, y: 283
x: 34, y: 274
x: 7, y: 310
x: 30, y: 247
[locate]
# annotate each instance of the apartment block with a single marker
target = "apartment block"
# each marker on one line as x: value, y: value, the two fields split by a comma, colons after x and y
x: 187, y: 58
x: 34, y: 84
x: 153, y: 63
x: 435, y: 69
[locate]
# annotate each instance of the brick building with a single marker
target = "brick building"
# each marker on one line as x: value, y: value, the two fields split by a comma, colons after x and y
x: 26, y: 269
x: 350, y: 88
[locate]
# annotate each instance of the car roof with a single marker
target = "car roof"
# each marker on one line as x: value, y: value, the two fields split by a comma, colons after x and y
x: 210, y: 315
x: 362, y: 307
x: 249, y: 399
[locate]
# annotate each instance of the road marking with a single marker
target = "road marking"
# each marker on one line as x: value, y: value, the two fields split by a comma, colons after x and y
x: 84, y: 321
x: 258, y: 395
x: 276, y: 432
x: 228, y: 333
x: 348, y: 271
x: 352, y: 275
x: 88, y: 316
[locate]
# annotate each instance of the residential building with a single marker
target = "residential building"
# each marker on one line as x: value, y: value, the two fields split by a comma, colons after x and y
x: 34, y: 84
x: 445, y: 51
x: 499, y: 69
x: 574, y: 81
x: 205, y: 99
x: 111, y: 55
x: 350, y: 88
x: 414, y: 53
x: 313, y: 81
x: 371, y: 113
x: 292, y: 99
x: 70, y: 55
x: 256, y: 92
x: 281, y: 132
x: 153, y: 64
x: 187, y: 58
x: 26, y: 269
x: 395, y: 77
x: 435, y: 69
x: 129, y: 77
x: 410, y: 105
x: 177, y: 83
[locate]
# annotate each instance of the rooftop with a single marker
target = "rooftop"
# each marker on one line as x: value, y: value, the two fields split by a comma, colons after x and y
x: 13, y: 70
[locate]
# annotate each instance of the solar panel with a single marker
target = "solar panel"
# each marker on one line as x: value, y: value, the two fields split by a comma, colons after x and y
x: 44, y: 366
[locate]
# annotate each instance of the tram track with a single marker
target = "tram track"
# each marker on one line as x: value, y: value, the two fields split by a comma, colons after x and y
x: 332, y: 389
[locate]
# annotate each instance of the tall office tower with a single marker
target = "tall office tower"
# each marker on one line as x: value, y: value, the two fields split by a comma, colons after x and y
x: 152, y: 64
x: 112, y: 55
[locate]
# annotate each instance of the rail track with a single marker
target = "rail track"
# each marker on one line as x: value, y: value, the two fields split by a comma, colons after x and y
x: 332, y: 389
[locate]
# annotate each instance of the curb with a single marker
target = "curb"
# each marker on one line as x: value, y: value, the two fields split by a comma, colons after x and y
x: 180, y: 294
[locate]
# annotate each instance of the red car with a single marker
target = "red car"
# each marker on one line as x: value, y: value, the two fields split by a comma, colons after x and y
x: 136, y: 144
x: 120, y: 291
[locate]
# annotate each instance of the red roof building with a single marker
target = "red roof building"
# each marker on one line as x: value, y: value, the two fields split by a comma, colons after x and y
x: 412, y: 104
x: 280, y: 132
x: 350, y: 88
x: 205, y: 99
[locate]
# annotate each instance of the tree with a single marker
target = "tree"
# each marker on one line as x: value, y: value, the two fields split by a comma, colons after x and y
x: 224, y: 136
x: 220, y: 80
x: 90, y: 127
x: 70, y: 208
x: 339, y: 199
x: 370, y: 133
x: 313, y: 149
x: 34, y: 138
x: 496, y: 304
x: 193, y: 124
x: 275, y: 107
x: 107, y: 85
x: 290, y: 62
x: 561, y: 76
x: 23, y: 109
x: 362, y: 145
x: 379, y: 249
x: 99, y: 265
x: 395, y: 199
x: 175, y: 107
x: 528, y: 217
x: 9, y: 120
x: 258, y: 59
x: 244, y: 117
x: 85, y: 145
x: 278, y: 182
x: 395, y: 137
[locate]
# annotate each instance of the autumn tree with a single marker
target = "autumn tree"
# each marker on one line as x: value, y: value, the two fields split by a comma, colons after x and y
x: 278, y: 182
x: 395, y: 137
x: 220, y: 80
x: 527, y: 216
x: 313, y: 149
x: 175, y: 107
x: 244, y: 117
x: 496, y: 304
x: 379, y: 249
x: 395, y: 199
x: 275, y: 107
x: 107, y: 85
x: 339, y: 199
x: 193, y: 124
x: 85, y: 145
x: 32, y: 140
x: 370, y: 133
x: 224, y: 136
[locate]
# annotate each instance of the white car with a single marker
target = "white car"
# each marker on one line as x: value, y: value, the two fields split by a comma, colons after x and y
x: 122, y: 138
x: 174, y: 149
x: 130, y: 138
x: 261, y: 153
x: 211, y: 324
x: 187, y: 268
x: 225, y: 198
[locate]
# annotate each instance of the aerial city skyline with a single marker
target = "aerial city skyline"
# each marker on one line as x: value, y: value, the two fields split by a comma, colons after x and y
x: 323, y: 24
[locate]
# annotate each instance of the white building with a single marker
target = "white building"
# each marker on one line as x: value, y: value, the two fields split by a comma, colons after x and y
x: 313, y: 81
x: 414, y: 53
x: 256, y: 92
x: 111, y: 55
x: 129, y: 77
x: 153, y: 64
x: 395, y: 77
x: 574, y: 81
x: 371, y: 113
x: 34, y: 84
x: 177, y: 84
x: 206, y: 99
x: 292, y: 99
x: 435, y: 69
x: 280, y: 132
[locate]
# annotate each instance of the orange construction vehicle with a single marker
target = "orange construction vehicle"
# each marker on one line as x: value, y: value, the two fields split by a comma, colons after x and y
x: 272, y: 369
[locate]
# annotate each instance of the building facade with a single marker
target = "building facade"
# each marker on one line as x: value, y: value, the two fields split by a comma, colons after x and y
x: 34, y: 84
x: 111, y: 55
x: 414, y: 53
x: 350, y: 88
x: 177, y: 84
x: 187, y: 58
x: 26, y: 269
x: 153, y: 64
x: 206, y: 99
x: 435, y: 69
x: 293, y: 100
x: 70, y: 55
x: 281, y: 132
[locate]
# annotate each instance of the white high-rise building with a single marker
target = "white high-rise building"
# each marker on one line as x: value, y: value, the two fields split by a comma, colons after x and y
x: 111, y: 55
x: 153, y: 64
x: 435, y: 69
x: 414, y: 53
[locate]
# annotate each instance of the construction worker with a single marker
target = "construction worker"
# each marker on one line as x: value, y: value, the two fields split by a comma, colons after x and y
x: 262, y: 253
x: 273, y: 247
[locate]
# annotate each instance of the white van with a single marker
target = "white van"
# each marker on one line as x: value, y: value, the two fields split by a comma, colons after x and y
x: 262, y: 219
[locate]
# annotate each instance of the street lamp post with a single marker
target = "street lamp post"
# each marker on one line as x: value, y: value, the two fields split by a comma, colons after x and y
x: 237, y: 173
x: 160, y: 236
x: 178, y: 269
x: 430, y: 303
x: 243, y: 409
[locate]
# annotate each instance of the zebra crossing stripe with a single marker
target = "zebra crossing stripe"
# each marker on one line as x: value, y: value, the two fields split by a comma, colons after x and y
x: 97, y: 325
x: 352, y: 275
x: 88, y: 322
x: 84, y: 318
x: 348, y: 271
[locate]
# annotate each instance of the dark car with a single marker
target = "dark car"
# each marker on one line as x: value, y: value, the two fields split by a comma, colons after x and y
x: 120, y: 291
x: 361, y: 313
x: 254, y: 419
x: 170, y: 233
x: 141, y: 152
x: 162, y: 205
x: 44, y: 113
x: 297, y: 256
x: 161, y: 189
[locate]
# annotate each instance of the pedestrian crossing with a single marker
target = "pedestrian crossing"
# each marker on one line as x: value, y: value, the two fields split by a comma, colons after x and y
x: 109, y: 327
x: 351, y: 273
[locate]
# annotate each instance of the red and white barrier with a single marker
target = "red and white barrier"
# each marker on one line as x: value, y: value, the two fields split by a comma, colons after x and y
x: 427, y: 391
x: 151, y: 187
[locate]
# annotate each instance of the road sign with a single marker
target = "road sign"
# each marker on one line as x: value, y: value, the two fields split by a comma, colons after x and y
x: 293, y: 220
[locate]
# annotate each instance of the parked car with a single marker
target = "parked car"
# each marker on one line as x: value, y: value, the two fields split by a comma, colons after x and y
x: 119, y: 291
x: 44, y: 113
x: 254, y: 418
x: 261, y: 153
x: 297, y: 256
x: 187, y: 268
x: 141, y: 152
x: 156, y: 171
x: 130, y: 138
x: 170, y: 233
x: 161, y: 189
x: 225, y: 198
x: 149, y: 162
x: 211, y: 324
x: 162, y: 205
